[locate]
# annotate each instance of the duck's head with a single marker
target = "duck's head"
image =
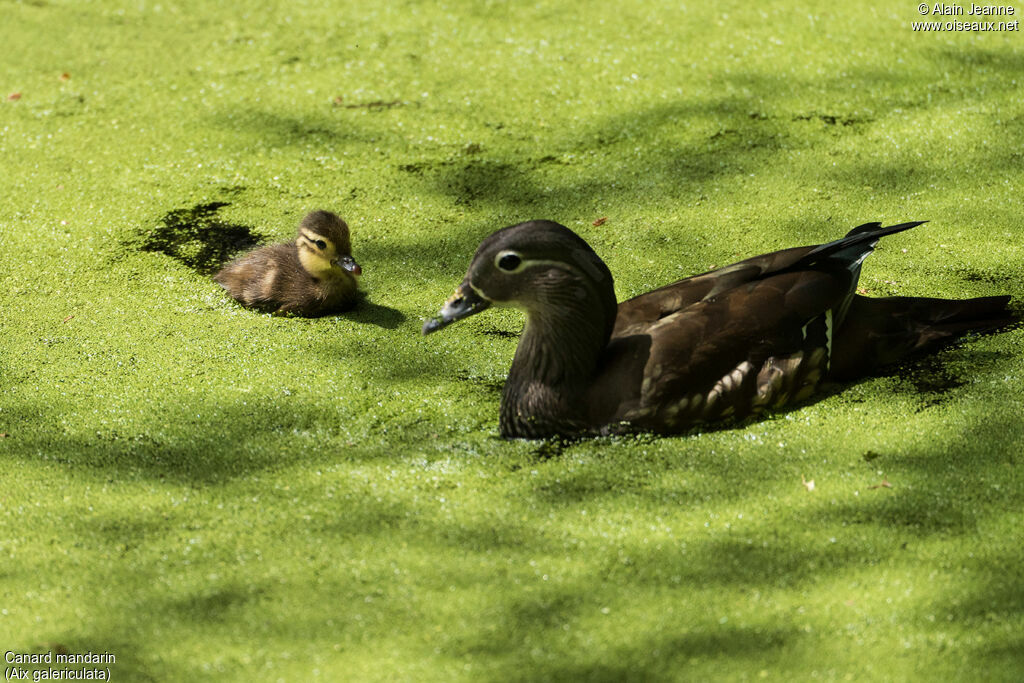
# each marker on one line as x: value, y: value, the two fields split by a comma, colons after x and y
x: 324, y: 244
x: 540, y: 267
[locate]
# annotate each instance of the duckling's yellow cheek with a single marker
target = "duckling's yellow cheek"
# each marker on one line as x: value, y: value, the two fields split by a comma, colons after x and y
x: 315, y: 263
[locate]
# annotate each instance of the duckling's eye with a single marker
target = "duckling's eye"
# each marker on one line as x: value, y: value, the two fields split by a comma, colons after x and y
x: 508, y: 261
x: 320, y: 244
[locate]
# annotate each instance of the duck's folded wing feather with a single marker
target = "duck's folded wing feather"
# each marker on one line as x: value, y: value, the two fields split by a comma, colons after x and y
x: 762, y: 343
x: 646, y: 309
x: 845, y: 253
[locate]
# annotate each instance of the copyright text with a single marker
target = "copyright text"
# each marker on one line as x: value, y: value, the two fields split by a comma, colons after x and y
x: 978, y: 14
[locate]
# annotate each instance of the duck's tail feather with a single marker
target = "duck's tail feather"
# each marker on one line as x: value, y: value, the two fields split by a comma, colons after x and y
x: 847, y: 252
x: 858, y: 243
x: 878, y: 332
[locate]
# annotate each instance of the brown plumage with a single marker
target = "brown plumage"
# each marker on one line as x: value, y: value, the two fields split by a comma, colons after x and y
x: 311, y: 276
x: 763, y: 333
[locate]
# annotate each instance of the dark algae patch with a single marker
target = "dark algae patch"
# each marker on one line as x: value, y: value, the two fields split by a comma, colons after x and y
x: 197, y: 238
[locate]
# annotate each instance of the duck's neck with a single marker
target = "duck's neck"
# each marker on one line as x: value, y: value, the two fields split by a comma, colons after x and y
x: 554, y: 365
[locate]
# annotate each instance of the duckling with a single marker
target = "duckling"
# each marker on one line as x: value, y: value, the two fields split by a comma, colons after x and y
x: 763, y: 333
x: 311, y: 276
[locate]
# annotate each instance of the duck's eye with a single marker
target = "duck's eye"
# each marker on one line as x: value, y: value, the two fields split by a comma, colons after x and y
x: 509, y: 261
x: 320, y: 244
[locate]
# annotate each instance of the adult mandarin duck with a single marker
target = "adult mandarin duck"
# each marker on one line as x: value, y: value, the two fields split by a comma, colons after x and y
x: 766, y: 332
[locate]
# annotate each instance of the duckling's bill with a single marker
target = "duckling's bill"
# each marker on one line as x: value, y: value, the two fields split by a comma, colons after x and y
x: 462, y: 304
x: 348, y: 263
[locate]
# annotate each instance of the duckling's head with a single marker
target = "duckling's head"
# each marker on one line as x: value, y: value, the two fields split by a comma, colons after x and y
x: 539, y: 266
x: 324, y: 245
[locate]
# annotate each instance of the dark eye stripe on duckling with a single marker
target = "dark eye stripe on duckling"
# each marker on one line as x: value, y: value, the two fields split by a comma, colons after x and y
x: 750, y: 387
x: 313, y: 240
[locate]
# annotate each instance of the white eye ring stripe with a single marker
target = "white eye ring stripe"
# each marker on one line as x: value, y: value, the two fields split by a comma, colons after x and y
x: 508, y: 252
x: 525, y: 263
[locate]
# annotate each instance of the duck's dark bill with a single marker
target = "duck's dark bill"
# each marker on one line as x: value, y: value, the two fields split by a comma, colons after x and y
x: 462, y: 304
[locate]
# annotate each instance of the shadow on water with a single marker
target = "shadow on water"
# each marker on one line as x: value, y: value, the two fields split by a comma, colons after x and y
x: 929, y: 375
x: 369, y: 313
x: 197, y: 238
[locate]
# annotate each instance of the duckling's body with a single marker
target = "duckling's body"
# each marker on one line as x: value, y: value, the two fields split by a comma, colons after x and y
x: 763, y: 333
x: 311, y: 276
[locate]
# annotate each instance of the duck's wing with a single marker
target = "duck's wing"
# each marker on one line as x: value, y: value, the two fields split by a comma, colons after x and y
x: 848, y: 252
x: 637, y: 314
x: 735, y: 341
